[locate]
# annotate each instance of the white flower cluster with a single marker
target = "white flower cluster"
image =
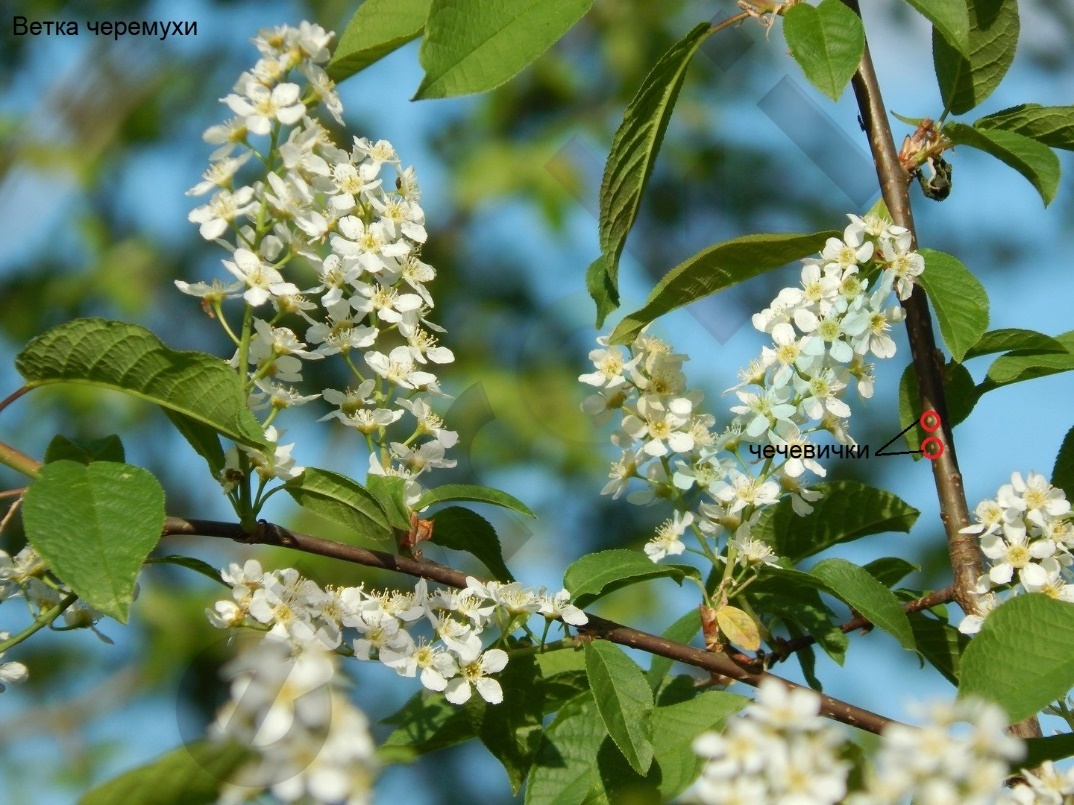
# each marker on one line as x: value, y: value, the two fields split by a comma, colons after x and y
x: 354, y: 217
x: 962, y: 754
x: 823, y: 334
x: 310, y: 743
x: 26, y: 576
x: 296, y: 610
x: 781, y: 750
x: 1027, y: 535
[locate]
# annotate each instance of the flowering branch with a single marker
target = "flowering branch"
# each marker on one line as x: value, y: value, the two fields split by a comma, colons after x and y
x: 597, y: 628
x: 928, y: 360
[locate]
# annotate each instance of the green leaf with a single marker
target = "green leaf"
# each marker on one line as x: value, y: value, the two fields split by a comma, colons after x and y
x: 939, y: 643
x: 619, y: 782
x: 1054, y: 747
x: 563, y: 770
x: 477, y: 494
x: 827, y: 41
x: 848, y: 511
x: 714, y: 269
x: 959, y: 390
x: 1051, y: 125
x: 377, y: 28
x: 868, y: 596
x: 677, y: 725
x: 793, y: 597
x: 129, y: 358
x: 341, y: 500
x: 681, y: 631
x: 477, y: 45
x: 202, y: 438
x: 890, y: 570
x: 94, y: 524
x: 1034, y: 160
x: 1023, y: 657
x: 966, y: 78
x: 958, y: 299
x: 190, y: 775
x: 1063, y: 471
x: 624, y: 701
x: 425, y: 724
x: 951, y: 18
x: 1012, y: 339
x: 597, y: 574
x: 630, y: 163
x: 107, y: 448
x: 464, y: 530
x: 390, y: 493
x: 190, y: 563
x: 1016, y: 367
x: 511, y: 730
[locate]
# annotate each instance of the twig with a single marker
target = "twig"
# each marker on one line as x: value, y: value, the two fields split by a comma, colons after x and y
x: 599, y: 628
x: 928, y: 360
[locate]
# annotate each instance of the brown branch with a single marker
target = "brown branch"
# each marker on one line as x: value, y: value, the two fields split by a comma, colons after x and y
x: 927, y: 359
x: 597, y: 628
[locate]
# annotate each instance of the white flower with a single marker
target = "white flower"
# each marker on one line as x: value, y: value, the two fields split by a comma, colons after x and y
x: 261, y: 106
x: 222, y: 210
x: 397, y: 367
x: 559, y: 606
x: 262, y: 281
x: 476, y: 673
x: 667, y: 541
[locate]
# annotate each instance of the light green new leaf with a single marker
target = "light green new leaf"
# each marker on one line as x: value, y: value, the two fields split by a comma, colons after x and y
x: 341, y: 500
x: 377, y: 28
x: 1063, y: 471
x: 959, y: 390
x: 563, y: 771
x: 1023, y: 657
x: 477, y: 45
x: 477, y: 494
x: 848, y: 510
x: 190, y: 563
x: 190, y: 775
x: 827, y: 41
x: 1015, y: 367
x: 950, y: 17
x: 1034, y: 160
x: 129, y: 358
x: 463, y: 530
x: 1051, y: 125
x: 630, y: 163
x: 966, y: 78
x: 597, y: 574
x: 716, y: 268
x: 859, y: 589
x: 624, y: 701
x: 94, y: 524
x: 677, y: 725
x: 1054, y: 747
x: 958, y: 299
x: 1011, y: 339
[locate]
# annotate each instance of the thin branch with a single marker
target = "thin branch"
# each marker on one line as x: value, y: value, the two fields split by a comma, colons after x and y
x: 597, y: 628
x: 928, y: 360
x: 12, y: 397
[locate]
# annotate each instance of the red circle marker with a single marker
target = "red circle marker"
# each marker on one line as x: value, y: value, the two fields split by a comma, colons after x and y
x: 930, y: 422
x: 932, y: 448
